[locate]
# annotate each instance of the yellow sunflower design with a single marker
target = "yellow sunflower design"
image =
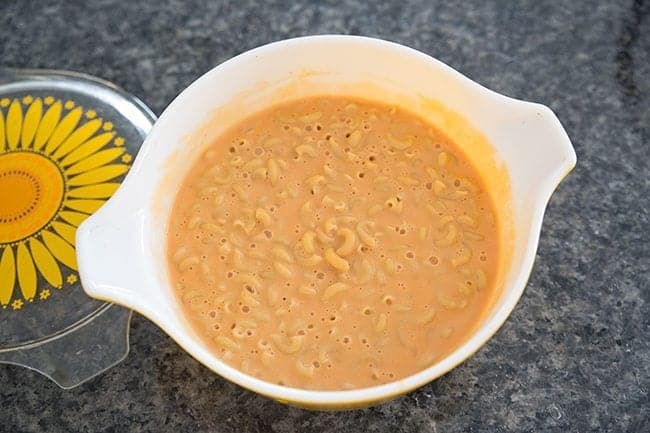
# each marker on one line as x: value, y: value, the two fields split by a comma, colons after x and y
x: 58, y: 164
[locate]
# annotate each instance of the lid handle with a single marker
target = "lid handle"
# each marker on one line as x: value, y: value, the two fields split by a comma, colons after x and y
x: 81, y: 352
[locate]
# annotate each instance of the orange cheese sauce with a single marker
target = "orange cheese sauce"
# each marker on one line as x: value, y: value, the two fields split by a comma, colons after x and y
x: 333, y: 243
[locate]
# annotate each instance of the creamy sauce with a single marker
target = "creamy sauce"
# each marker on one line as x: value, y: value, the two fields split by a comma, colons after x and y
x: 333, y: 243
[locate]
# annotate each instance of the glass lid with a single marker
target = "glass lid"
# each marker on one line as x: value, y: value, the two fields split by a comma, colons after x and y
x: 66, y: 142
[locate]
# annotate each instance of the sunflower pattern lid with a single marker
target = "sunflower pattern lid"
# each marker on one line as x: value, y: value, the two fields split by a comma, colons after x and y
x: 59, y: 162
x: 66, y: 142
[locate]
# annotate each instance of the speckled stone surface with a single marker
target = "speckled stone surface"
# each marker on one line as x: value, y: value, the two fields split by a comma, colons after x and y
x: 575, y: 354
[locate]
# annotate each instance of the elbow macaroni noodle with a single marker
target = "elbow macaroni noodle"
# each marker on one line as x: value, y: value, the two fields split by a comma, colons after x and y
x: 333, y: 243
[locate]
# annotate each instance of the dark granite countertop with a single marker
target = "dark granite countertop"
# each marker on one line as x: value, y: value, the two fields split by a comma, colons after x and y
x: 575, y: 354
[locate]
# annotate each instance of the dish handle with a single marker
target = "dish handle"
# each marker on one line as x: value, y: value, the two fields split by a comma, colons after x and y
x: 112, y: 259
x: 539, y: 150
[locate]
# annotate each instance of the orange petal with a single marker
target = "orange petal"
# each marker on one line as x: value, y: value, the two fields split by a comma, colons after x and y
x: 98, y: 175
x: 60, y: 249
x: 7, y: 275
x: 66, y: 231
x: 103, y: 190
x: 81, y: 134
x: 47, y: 266
x: 95, y: 160
x: 63, y: 129
x: 26, y: 272
x: 88, y: 148
x: 2, y: 132
x: 47, y: 125
x: 32, y: 119
x: 14, y: 124
x: 74, y: 218
x: 87, y: 206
